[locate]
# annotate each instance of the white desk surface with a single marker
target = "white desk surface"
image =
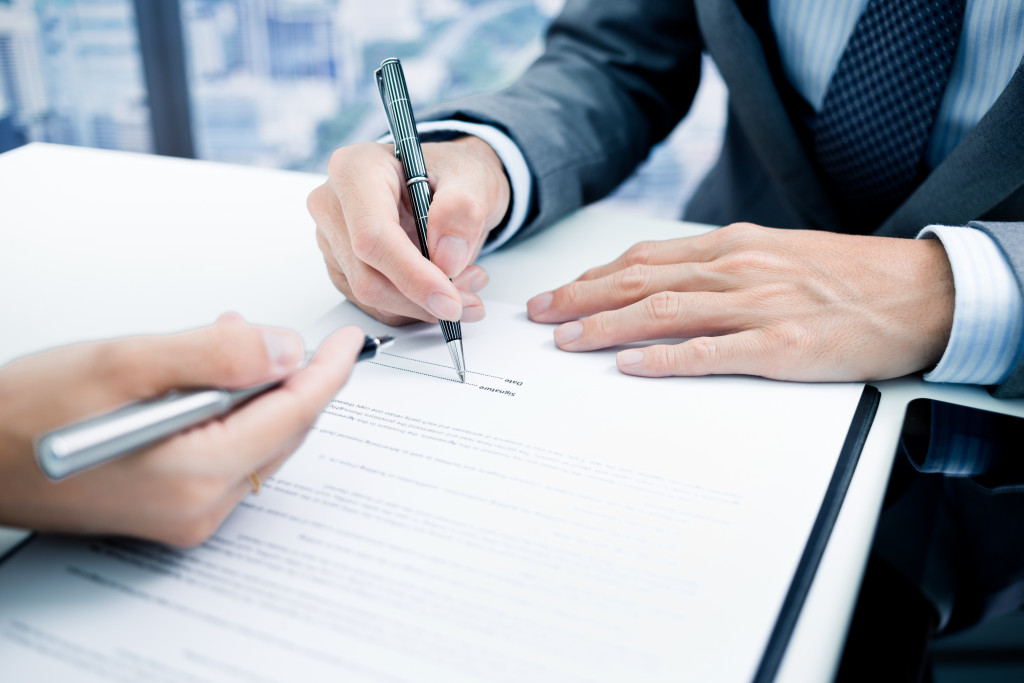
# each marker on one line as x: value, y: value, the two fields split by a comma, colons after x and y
x: 99, y: 244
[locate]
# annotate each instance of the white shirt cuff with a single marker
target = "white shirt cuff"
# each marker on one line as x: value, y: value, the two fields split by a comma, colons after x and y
x: 988, y: 314
x: 515, y: 167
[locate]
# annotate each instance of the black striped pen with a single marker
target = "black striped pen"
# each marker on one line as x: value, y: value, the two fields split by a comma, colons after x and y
x: 395, y: 95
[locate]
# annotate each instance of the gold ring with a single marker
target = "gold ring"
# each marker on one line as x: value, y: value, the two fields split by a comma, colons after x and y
x: 255, y: 481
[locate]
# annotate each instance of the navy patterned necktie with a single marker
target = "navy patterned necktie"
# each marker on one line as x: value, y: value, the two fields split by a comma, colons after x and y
x: 880, y: 104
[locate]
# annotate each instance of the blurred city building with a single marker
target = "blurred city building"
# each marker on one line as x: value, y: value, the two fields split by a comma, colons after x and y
x: 282, y: 83
x: 70, y: 73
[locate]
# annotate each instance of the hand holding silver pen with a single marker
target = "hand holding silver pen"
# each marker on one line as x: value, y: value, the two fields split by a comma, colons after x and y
x: 72, y: 448
x: 179, y: 489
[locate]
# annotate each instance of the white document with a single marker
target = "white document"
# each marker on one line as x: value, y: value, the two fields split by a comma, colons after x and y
x: 549, y: 520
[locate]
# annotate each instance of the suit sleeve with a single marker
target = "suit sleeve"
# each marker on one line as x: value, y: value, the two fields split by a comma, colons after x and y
x: 614, y: 79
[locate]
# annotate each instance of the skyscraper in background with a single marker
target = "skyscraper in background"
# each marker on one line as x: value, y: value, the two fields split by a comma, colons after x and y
x: 282, y: 83
x: 263, y: 76
x: 72, y: 74
x: 23, y: 99
x: 272, y: 82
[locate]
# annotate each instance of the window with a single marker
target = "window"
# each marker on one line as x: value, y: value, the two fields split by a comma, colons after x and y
x: 281, y: 83
x: 70, y: 72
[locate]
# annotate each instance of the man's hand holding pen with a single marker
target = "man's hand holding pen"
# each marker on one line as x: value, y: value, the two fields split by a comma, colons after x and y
x: 366, y: 232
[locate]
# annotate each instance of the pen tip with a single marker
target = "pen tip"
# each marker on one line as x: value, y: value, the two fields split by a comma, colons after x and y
x: 458, y: 359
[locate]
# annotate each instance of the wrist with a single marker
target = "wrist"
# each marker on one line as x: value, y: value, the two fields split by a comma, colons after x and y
x: 499, y: 188
x: 939, y: 297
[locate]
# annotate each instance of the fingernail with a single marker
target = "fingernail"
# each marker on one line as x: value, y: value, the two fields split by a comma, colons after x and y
x: 629, y: 357
x: 284, y: 348
x: 473, y: 314
x: 539, y: 304
x: 568, y: 332
x: 479, y: 282
x: 444, y: 307
x: 457, y: 253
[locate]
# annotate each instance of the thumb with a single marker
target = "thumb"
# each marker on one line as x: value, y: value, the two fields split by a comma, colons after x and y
x: 229, y: 354
x: 471, y: 196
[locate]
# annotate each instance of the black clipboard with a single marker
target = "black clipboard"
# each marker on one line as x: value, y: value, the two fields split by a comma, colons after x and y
x: 806, y: 568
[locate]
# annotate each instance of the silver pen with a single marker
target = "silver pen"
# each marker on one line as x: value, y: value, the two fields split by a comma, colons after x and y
x: 75, y: 447
x: 395, y: 95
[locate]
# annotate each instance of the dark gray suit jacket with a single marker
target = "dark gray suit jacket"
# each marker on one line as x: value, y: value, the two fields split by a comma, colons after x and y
x: 616, y: 77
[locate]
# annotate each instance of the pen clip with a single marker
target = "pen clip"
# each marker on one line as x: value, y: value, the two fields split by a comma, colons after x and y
x: 379, y: 75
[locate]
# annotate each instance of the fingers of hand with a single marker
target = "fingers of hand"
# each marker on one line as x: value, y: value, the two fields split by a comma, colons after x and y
x: 702, y: 248
x: 472, y: 279
x: 681, y: 265
x: 187, y: 526
x: 229, y: 354
x: 41, y: 391
x: 455, y: 228
x: 86, y: 379
x: 743, y: 353
x: 292, y: 409
x: 385, y: 250
x: 792, y: 305
x: 650, y: 253
x: 342, y: 265
x: 404, y: 312
x: 618, y: 289
x: 469, y: 282
x: 471, y: 195
x: 200, y: 472
x: 661, y: 315
x: 179, y: 491
x: 472, y: 308
x: 359, y: 228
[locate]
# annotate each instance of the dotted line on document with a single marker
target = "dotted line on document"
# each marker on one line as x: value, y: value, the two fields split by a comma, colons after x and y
x: 417, y: 372
x: 439, y: 365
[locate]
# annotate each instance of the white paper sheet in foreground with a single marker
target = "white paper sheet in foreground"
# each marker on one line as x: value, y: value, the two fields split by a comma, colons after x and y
x: 549, y: 520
